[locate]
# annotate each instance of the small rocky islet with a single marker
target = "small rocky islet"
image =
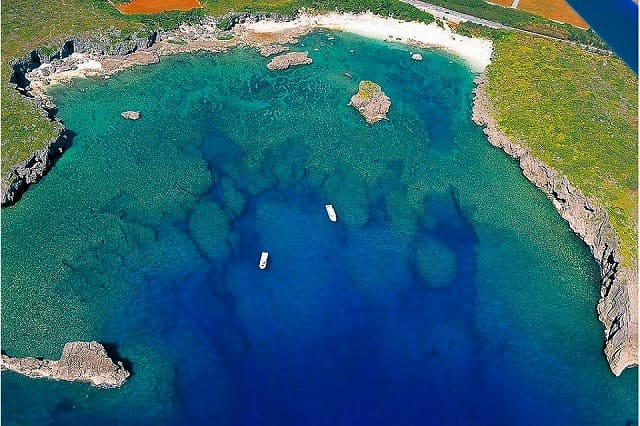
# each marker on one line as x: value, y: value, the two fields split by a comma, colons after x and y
x: 282, y: 62
x: 371, y: 102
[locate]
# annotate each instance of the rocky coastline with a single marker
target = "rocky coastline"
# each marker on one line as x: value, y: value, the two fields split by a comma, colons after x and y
x: 100, y: 57
x: 104, y: 55
x: 618, y: 305
x: 80, y: 362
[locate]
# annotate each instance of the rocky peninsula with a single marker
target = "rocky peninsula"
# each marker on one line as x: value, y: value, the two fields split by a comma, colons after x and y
x: 282, y: 62
x: 80, y: 362
x: 618, y: 304
x: 371, y: 102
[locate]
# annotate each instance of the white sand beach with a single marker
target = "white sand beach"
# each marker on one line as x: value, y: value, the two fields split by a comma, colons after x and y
x: 477, y: 52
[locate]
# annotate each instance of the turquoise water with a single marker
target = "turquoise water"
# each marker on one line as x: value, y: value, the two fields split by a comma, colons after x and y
x: 448, y: 292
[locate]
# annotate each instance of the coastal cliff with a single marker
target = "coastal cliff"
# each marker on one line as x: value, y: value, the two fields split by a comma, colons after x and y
x: 618, y: 305
x: 31, y: 169
x: 80, y: 362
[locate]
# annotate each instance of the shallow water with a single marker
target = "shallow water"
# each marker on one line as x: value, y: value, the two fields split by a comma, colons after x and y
x: 448, y: 292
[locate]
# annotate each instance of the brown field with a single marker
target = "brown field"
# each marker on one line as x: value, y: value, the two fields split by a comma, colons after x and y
x: 505, y: 3
x: 148, y: 7
x: 558, y: 10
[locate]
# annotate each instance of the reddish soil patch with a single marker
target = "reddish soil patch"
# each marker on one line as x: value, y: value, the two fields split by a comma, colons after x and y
x: 558, y: 10
x: 148, y: 7
x: 505, y: 3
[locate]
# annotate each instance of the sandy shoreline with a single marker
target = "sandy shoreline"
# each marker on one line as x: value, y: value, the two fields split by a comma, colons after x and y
x: 263, y: 35
x: 477, y: 52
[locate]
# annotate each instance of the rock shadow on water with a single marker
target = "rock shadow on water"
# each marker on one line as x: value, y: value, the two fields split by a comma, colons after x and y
x: 113, y: 352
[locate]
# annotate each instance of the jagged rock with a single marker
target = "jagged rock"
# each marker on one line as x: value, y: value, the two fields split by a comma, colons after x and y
x: 79, y: 362
x: 618, y: 304
x: 371, y: 102
x: 287, y: 60
x: 272, y: 49
x: 416, y: 57
x: 31, y: 169
x: 131, y: 115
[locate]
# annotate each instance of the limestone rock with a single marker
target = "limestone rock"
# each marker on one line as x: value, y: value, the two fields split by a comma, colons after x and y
x: 272, y: 49
x: 371, y: 102
x: 32, y: 169
x: 79, y: 362
x: 287, y: 60
x: 131, y: 115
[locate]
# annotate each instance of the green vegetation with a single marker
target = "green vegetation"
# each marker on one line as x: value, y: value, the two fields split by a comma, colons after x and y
x: 578, y: 112
x: 393, y: 8
x: 29, y: 130
x: 367, y: 88
x: 523, y: 20
x: 225, y: 24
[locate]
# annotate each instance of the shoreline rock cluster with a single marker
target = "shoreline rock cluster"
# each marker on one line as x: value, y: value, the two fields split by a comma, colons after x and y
x: 282, y: 62
x: 80, y: 362
x: 371, y: 102
x: 618, y: 305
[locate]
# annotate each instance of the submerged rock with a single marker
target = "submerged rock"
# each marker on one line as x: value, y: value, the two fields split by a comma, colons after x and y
x: 131, y: 115
x: 79, y: 362
x: 371, y: 102
x: 287, y: 60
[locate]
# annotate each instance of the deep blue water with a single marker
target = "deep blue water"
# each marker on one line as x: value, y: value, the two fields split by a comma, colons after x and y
x: 616, y: 22
x: 448, y: 292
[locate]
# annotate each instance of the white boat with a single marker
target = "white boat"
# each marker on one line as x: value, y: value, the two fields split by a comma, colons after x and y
x: 263, y: 260
x: 331, y: 212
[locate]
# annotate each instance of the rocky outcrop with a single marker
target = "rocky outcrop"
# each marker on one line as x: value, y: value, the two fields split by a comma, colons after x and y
x: 131, y: 115
x: 371, y: 102
x: 272, y: 49
x: 32, y: 169
x: 80, y: 362
x: 618, y: 304
x: 287, y: 60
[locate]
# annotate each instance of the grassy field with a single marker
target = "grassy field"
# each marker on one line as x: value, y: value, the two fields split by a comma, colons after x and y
x: 578, y: 112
